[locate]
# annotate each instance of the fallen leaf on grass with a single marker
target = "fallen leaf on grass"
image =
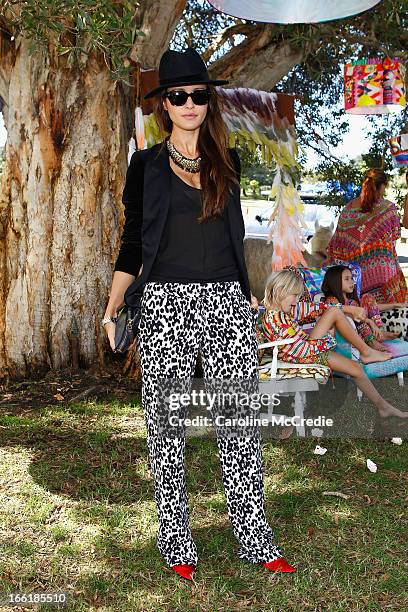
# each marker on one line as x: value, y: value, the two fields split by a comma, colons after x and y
x: 310, y: 532
x: 59, y: 397
x: 336, y: 494
x: 367, y: 498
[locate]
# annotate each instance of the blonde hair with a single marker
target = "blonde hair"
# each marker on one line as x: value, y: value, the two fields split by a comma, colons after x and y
x: 281, y: 284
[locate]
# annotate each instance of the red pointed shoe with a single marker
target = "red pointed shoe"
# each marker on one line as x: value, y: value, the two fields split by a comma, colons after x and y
x: 184, y: 570
x: 279, y: 565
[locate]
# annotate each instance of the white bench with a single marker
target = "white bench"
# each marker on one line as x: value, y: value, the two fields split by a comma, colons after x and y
x: 273, y: 379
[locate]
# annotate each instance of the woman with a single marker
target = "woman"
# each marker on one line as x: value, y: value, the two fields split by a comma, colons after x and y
x: 196, y: 297
x: 366, y: 233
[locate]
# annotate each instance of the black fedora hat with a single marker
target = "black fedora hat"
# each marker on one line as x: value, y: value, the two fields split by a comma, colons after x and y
x: 182, y: 68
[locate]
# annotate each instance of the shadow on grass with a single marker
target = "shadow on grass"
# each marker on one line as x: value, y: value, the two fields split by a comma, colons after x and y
x: 78, y: 453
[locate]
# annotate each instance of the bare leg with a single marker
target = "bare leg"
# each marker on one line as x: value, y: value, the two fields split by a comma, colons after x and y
x: 339, y: 363
x: 334, y: 316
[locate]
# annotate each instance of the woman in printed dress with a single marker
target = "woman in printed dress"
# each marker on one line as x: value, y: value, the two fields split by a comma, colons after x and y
x: 366, y: 233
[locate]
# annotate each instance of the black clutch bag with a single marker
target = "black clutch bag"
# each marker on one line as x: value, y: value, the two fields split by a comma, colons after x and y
x: 127, y: 325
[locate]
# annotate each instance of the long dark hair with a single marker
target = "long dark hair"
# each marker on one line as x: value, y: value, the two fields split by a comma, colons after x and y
x: 369, y: 191
x: 333, y: 282
x: 217, y: 171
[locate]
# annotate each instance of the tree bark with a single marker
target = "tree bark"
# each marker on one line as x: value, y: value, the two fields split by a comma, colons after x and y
x: 258, y: 62
x: 60, y: 211
x: 158, y: 20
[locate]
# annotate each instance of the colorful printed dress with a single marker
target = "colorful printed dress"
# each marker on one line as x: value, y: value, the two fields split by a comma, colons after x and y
x: 277, y: 325
x: 368, y: 239
x: 371, y: 310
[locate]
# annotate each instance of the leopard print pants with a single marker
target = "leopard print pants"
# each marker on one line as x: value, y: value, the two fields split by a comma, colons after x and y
x: 177, y: 321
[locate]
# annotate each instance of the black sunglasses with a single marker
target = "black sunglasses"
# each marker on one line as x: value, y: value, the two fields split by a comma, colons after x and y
x: 179, y: 97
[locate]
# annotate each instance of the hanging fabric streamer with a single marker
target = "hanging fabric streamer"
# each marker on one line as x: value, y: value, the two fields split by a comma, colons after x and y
x: 286, y: 222
x: 139, y: 120
x: 292, y: 11
x: 139, y: 128
x: 374, y: 86
x: 252, y: 114
x: 399, y: 150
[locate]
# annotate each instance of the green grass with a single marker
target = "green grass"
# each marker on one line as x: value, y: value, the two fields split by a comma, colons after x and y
x: 77, y: 515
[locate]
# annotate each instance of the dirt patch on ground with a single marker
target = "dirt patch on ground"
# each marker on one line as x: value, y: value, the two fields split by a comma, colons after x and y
x: 68, y: 386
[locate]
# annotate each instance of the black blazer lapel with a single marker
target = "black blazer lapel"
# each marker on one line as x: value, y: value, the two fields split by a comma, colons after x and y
x: 237, y: 232
x: 156, y: 202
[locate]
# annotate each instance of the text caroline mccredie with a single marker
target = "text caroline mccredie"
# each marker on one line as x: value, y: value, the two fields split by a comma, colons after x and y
x: 249, y: 421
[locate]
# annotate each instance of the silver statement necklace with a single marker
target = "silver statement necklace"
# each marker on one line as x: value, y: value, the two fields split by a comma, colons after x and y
x: 187, y: 164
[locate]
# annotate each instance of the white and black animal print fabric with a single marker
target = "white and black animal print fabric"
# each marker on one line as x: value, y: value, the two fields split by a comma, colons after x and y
x: 177, y: 321
x: 396, y: 320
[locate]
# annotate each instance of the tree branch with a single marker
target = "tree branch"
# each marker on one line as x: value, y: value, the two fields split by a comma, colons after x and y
x: 157, y: 20
x: 260, y: 61
x: 224, y: 36
x: 373, y: 43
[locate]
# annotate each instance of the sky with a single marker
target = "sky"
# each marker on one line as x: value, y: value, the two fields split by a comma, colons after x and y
x: 353, y: 143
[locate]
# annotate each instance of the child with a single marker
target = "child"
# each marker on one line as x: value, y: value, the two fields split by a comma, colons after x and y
x: 338, y: 288
x: 281, y: 320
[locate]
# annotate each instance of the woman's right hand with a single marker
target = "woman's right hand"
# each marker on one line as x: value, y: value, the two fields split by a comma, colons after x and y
x: 110, y: 332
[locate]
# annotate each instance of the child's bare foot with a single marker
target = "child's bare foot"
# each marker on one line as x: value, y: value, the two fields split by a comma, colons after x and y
x: 378, y: 346
x: 391, y: 335
x: 387, y: 410
x: 371, y: 356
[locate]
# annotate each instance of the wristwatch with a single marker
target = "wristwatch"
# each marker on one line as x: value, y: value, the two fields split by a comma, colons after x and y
x: 106, y: 320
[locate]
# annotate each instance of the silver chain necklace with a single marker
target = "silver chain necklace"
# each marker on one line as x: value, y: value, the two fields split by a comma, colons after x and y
x: 187, y: 164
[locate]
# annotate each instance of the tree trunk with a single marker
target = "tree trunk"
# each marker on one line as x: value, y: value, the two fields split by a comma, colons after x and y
x: 61, y: 215
x: 60, y: 208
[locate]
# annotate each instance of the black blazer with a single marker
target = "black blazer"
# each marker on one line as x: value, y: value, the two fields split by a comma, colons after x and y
x: 146, y: 197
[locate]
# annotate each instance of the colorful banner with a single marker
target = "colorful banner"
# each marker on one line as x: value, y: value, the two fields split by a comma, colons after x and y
x: 399, y: 150
x: 374, y: 86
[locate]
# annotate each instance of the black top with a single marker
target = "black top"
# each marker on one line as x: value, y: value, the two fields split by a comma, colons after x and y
x: 146, y: 198
x: 190, y: 251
